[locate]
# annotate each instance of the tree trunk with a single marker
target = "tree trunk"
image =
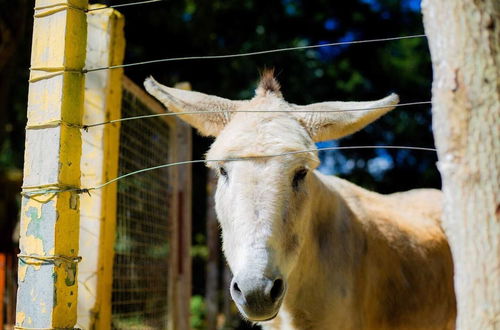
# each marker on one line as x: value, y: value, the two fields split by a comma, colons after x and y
x: 464, y: 40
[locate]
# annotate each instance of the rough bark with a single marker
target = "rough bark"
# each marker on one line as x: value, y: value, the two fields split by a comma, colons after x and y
x: 464, y: 40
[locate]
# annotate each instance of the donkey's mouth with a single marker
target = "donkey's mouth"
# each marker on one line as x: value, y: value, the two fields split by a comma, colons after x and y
x: 269, y: 319
x: 257, y: 319
x: 261, y: 315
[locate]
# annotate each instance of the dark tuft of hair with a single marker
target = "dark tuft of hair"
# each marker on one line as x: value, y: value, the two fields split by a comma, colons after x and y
x: 268, y: 83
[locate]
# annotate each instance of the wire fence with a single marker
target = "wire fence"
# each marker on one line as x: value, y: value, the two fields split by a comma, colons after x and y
x: 40, y: 192
x: 125, y: 5
x: 140, y: 286
x: 141, y: 263
x: 33, y: 193
x: 261, y: 52
x: 87, y: 126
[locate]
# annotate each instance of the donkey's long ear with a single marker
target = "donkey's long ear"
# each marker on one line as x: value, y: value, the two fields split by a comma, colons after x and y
x: 333, y: 120
x: 209, y: 122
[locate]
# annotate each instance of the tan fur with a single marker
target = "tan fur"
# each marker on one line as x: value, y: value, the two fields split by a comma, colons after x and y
x: 390, y: 266
x: 350, y: 258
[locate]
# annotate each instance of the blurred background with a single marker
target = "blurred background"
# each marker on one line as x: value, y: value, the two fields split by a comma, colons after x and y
x: 217, y: 27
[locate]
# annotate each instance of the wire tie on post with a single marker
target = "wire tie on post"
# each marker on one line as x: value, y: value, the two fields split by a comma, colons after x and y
x: 54, y: 259
x: 55, y: 8
x: 125, y: 5
x: 83, y: 191
x: 51, y: 73
x: 17, y: 327
x: 60, y: 4
x: 36, y: 191
x: 53, y: 124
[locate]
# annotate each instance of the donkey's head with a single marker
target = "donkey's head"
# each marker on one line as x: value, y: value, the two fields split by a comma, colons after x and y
x: 262, y: 202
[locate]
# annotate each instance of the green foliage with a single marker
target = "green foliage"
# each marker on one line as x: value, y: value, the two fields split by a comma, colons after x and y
x: 357, y: 72
x: 216, y: 27
x: 199, y: 248
x: 197, y: 312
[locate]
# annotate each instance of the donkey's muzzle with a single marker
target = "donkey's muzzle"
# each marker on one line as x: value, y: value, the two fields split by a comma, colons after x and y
x: 258, y: 298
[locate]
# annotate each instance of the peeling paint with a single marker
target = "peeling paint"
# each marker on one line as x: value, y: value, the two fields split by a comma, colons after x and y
x: 33, y: 245
x: 35, y: 220
x: 21, y: 271
x: 33, y: 226
x: 103, y: 97
x: 35, y: 298
x: 43, y: 307
x: 70, y: 274
x: 73, y: 201
x: 33, y: 208
x: 49, y: 226
x: 20, y: 316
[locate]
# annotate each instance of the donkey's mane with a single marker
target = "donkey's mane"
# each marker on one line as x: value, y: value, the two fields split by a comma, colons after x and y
x: 268, y: 83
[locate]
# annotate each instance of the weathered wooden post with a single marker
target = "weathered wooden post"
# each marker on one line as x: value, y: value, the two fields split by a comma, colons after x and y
x: 181, y: 258
x: 464, y: 40
x: 213, y: 244
x: 47, y: 293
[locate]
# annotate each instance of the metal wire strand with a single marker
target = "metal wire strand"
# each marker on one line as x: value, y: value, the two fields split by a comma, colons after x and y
x: 278, y: 50
x: 125, y: 5
x: 55, y: 259
x: 86, y: 127
x: 87, y: 190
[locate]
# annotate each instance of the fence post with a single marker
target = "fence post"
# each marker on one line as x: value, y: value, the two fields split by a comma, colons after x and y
x: 47, y: 294
x: 212, y: 286
x: 103, y: 93
x: 180, y: 251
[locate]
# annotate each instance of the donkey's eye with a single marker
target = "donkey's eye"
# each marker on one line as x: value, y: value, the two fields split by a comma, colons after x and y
x: 299, y: 177
x: 222, y: 171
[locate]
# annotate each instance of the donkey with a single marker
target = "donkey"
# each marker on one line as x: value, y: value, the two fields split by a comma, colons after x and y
x: 310, y: 251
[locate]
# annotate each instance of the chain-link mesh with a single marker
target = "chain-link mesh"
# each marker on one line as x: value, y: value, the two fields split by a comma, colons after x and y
x: 140, y: 270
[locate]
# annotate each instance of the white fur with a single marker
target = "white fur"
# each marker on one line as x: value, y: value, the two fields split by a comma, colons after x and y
x: 351, y: 259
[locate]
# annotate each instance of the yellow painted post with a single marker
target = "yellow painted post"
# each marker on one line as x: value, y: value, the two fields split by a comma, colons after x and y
x: 47, y: 294
x: 103, y: 92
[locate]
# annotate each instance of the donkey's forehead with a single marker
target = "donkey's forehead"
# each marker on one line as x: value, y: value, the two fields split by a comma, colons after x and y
x: 260, y: 134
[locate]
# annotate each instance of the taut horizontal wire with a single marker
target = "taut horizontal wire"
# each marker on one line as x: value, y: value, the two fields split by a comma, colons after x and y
x: 86, y: 127
x: 125, y: 5
x: 278, y: 50
x: 88, y: 190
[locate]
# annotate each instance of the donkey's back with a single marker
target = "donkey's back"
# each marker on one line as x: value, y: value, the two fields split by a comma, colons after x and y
x: 405, y: 276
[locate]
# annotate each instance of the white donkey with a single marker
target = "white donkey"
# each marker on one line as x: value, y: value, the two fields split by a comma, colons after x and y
x: 310, y: 251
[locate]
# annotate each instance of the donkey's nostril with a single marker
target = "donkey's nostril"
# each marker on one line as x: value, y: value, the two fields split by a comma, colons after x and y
x: 236, y: 288
x: 277, y: 289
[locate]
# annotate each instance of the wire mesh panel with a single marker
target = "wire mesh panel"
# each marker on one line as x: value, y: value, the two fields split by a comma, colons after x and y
x: 141, y: 262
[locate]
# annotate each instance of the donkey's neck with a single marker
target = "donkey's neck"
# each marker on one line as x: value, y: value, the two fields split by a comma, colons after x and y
x: 330, y: 255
